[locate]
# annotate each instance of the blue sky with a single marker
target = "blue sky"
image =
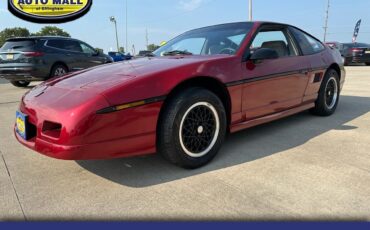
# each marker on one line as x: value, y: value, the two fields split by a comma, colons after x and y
x: 168, y: 18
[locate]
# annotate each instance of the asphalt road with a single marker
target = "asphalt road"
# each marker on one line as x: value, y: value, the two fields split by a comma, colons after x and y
x: 302, y: 167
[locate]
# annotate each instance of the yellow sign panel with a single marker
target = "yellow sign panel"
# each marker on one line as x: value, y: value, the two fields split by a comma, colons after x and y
x: 49, y: 10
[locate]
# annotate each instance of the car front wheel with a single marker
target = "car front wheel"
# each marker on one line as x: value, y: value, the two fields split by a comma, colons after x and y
x: 192, y: 128
x: 20, y: 84
x: 329, y: 93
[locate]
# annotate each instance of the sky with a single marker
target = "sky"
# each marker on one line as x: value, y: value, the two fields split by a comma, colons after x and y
x: 165, y: 19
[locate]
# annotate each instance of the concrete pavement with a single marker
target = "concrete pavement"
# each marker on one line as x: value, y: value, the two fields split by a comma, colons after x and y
x: 302, y: 167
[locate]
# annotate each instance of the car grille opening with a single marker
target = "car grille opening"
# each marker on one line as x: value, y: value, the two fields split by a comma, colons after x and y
x: 32, y: 131
x: 51, y: 129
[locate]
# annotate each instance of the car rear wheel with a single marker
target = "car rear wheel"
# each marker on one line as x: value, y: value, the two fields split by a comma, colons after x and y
x: 329, y: 93
x: 192, y: 128
x: 20, y: 84
x: 58, y: 71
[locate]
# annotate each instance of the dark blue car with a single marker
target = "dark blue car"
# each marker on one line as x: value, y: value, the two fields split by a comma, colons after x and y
x: 118, y: 56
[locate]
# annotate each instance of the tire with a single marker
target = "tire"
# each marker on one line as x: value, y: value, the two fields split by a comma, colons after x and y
x: 58, y: 71
x: 20, y: 84
x: 367, y: 63
x: 203, y: 113
x: 329, y: 94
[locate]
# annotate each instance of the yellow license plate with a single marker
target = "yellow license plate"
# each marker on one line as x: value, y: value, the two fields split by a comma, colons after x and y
x: 10, y: 56
x: 21, y: 124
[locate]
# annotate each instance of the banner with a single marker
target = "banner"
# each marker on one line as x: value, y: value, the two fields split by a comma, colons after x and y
x: 357, y: 30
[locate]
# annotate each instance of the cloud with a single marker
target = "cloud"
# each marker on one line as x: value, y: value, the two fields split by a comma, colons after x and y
x: 190, y: 5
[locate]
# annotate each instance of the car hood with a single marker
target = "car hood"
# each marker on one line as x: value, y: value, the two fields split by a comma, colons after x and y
x: 107, y: 76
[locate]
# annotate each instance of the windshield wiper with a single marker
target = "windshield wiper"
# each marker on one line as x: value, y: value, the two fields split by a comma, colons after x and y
x: 177, y: 52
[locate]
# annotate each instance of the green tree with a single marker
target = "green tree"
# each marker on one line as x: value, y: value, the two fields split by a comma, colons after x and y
x: 13, y: 32
x: 152, y: 47
x: 52, y: 31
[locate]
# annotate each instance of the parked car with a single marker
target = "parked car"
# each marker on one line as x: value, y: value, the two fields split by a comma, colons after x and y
x: 356, y: 53
x: 118, y: 56
x: 23, y: 60
x: 185, y: 99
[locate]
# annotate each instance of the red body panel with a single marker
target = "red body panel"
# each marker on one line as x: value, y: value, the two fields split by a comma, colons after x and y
x: 291, y: 85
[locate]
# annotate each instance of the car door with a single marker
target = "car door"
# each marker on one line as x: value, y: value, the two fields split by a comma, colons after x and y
x: 273, y: 85
x: 74, y: 52
x: 91, y: 56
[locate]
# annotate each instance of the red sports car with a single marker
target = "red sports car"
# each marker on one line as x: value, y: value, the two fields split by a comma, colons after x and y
x: 184, y: 98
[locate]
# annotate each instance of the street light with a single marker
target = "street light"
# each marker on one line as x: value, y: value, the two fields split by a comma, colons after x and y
x: 250, y: 10
x: 113, y: 19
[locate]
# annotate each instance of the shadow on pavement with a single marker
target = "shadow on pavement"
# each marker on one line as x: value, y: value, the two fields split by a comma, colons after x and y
x: 239, y: 148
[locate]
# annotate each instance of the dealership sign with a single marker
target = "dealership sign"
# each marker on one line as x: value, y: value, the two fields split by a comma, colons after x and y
x: 49, y: 11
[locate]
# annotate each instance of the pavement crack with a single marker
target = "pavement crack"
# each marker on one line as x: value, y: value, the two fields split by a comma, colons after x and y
x: 7, y: 103
x: 15, y: 191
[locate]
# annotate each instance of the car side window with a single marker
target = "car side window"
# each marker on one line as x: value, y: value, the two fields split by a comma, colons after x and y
x: 276, y: 40
x: 87, y: 49
x: 73, y: 46
x: 308, y: 44
x: 56, y: 44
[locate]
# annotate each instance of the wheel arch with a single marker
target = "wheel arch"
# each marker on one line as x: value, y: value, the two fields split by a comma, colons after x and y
x: 336, y: 67
x: 209, y: 83
x: 59, y: 63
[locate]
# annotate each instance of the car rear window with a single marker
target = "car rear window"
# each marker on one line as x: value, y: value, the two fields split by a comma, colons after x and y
x: 20, y: 45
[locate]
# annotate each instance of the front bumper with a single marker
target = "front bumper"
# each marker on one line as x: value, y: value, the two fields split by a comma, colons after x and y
x: 126, y: 147
x: 124, y: 133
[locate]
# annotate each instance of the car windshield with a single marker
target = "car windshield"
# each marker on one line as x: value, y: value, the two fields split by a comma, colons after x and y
x: 221, y: 39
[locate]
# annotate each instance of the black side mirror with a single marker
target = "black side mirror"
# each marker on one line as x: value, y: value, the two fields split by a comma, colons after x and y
x: 263, y: 54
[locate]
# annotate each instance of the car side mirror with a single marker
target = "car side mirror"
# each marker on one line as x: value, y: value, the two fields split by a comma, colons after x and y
x: 97, y: 53
x: 264, y: 54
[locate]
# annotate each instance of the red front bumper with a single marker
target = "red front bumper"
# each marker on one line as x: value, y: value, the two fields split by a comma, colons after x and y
x: 124, y: 133
x: 126, y: 147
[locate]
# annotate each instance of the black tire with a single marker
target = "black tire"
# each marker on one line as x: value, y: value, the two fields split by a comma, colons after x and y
x: 199, y: 110
x: 58, y: 70
x: 20, y: 84
x: 328, y: 99
x: 367, y: 63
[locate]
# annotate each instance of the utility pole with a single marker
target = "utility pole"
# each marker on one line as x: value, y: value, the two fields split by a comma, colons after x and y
x: 113, y: 19
x: 126, y: 27
x: 250, y: 10
x: 326, y: 21
x: 146, y: 38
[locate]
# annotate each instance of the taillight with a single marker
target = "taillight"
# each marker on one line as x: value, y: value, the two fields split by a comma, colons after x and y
x: 33, y: 54
x: 356, y: 50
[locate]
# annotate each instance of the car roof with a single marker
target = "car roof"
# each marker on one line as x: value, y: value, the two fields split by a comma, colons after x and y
x: 40, y: 37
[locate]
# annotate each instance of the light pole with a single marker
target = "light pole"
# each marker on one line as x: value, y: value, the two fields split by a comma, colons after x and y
x: 126, y: 26
x: 113, y: 19
x: 250, y: 10
x: 326, y: 21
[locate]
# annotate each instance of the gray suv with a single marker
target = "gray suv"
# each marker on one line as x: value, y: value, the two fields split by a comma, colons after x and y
x: 23, y: 60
